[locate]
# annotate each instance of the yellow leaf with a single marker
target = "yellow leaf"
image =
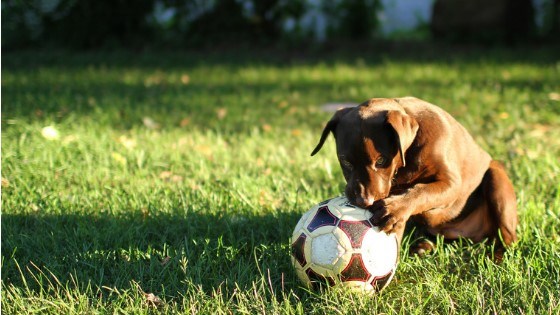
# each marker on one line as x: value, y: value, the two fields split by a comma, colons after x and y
x: 176, y: 178
x: 204, y: 150
x: 165, y: 175
x: 50, y: 133
x: 69, y: 139
x: 127, y: 142
x: 554, y: 96
x: 118, y: 158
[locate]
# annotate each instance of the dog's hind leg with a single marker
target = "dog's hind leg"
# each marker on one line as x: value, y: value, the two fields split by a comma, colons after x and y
x: 501, y: 202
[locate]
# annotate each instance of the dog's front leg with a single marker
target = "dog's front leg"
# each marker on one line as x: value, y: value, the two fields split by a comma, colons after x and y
x: 392, y: 212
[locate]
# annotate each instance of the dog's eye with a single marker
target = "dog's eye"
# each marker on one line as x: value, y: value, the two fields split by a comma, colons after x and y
x: 381, y: 161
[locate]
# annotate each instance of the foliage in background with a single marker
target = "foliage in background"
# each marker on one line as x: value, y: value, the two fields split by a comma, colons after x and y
x: 193, y: 23
x: 355, y: 19
x: 551, y: 19
x: 74, y: 23
x: 94, y: 24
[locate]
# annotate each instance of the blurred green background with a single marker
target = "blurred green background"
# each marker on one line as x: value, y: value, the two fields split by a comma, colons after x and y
x: 160, y: 24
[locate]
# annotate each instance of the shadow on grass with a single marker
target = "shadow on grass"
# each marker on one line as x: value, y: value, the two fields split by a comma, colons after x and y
x: 124, y: 105
x: 168, y: 255
x: 371, y: 53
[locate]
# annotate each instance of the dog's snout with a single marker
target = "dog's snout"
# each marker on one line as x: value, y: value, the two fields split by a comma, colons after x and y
x: 364, y: 202
x: 358, y: 195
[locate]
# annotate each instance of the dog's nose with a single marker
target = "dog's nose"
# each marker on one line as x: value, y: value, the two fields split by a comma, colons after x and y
x: 364, y: 202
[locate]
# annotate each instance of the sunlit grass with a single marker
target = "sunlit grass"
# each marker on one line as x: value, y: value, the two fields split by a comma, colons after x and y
x: 172, y: 182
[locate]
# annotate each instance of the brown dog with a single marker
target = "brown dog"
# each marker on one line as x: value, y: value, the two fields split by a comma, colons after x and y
x: 406, y: 158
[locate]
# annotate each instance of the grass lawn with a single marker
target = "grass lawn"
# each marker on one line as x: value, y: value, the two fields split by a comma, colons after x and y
x: 172, y: 182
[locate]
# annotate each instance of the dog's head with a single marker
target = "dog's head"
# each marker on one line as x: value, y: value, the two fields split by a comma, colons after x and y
x: 371, y: 141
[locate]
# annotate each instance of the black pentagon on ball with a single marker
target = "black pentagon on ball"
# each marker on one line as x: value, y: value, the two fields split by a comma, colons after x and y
x: 355, y: 270
x: 318, y: 280
x: 380, y: 282
x: 323, y: 217
x: 355, y: 230
x: 298, y: 250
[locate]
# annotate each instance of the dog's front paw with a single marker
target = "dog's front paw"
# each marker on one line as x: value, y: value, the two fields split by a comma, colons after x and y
x: 389, y: 214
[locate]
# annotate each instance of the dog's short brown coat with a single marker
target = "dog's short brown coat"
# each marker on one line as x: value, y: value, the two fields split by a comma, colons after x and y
x: 405, y: 157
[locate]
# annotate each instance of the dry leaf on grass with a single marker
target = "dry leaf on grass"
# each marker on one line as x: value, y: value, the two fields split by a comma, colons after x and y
x: 127, y: 142
x: 50, y: 133
x: 553, y: 96
x: 540, y: 130
x: 69, y: 139
x: 204, y: 150
x: 176, y: 178
x: 157, y: 78
x: 221, y: 113
x: 153, y: 300
x: 165, y: 260
x: 185, y: 122
x: 169, y: 176
x: 194, y: 186
x: 118, y: 158
x: 150, y: 298
x: 165, y: 174
x: 150, y: 123
x: 268, y: 199
x: 266, y: 128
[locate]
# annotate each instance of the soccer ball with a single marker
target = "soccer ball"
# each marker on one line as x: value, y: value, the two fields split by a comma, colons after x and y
x: 335, y: 244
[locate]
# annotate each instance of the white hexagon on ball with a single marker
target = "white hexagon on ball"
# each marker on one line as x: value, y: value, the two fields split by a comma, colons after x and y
x: 379, y: 252
x: 326, y: 250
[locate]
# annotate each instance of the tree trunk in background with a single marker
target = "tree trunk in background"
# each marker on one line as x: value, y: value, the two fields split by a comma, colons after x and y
x: 483, y: 20
x: 555, y: 30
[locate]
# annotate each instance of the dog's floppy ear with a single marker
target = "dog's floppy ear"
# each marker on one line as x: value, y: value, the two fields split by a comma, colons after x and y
x: 330, y: 127
x: 406, y: 128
